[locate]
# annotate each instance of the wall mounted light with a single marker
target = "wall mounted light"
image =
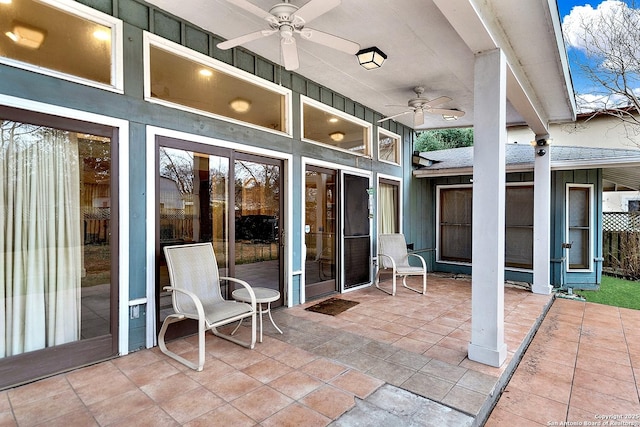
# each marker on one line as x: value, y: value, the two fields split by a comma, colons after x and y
x: 240, y: 105
x: 540, y: 144
x: 371, y: 58
x: 337, y: 136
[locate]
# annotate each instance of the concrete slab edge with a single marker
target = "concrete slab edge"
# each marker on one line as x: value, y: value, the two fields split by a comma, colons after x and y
x: 490, y: 403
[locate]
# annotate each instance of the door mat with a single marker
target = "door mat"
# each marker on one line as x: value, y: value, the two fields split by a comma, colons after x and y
x: 332, y: 306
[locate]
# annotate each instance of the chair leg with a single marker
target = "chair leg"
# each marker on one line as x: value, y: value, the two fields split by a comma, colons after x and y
x: 251, y: 344
x: 163, y: 346
x: 377, y: 284
x: 424, y: 285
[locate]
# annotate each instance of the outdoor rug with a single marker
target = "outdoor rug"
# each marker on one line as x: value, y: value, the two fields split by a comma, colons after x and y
x: 332, y: 306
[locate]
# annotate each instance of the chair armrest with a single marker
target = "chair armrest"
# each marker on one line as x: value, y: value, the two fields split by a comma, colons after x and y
x: 424, y: 264
x: 194, y: 297
x: 252, y: 294
x: 393, y: 263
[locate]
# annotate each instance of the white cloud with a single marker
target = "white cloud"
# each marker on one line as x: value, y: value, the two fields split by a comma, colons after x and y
x: 585, y: 26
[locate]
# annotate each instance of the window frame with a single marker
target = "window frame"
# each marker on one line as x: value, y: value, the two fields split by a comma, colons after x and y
x: 304, y: 100
x: 150, y: 39
x: 568, y: 227
x: 397, y: 138
x: 90, y: 14
x: 439, y: 189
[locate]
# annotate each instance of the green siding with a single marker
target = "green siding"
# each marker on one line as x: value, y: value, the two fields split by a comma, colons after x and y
x: 139, y: 17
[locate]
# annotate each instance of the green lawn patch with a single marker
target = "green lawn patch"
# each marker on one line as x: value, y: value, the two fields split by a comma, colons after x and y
x: 616, y: 292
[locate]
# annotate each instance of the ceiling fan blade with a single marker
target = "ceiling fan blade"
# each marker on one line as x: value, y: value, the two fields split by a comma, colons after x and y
x: 250, y: 7
x: 418, y: 117
x: 394, y: 116
x: 244, y: 39
x: 289, y: 53
x: 437, y: 101
x: 315, y: 8
x: 329, y: 40
x: 446, y: 112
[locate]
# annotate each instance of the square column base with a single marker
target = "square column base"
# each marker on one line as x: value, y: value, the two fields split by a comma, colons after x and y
x: 488, y: 356
x: 542, y: 290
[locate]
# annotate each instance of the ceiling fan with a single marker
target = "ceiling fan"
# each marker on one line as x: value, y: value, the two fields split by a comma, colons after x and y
x: 287, y: 20
x: 420, y: 105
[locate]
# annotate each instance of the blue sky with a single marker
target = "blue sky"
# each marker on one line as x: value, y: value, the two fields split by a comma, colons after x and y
x: 589, y: 93
x: 564, y: 7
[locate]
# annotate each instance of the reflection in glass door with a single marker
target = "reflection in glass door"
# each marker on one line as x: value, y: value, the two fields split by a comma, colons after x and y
x: 58, y: 275
x: 320, y: 231
x: 233, y: 200
x: 258, y: 231
x: 193, y: 205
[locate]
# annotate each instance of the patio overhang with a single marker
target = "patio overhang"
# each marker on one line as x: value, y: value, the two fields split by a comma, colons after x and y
x: 433, y: 44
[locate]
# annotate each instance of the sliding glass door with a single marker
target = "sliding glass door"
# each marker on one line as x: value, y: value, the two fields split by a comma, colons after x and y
x: 231, y: 199
x: 58, y: 275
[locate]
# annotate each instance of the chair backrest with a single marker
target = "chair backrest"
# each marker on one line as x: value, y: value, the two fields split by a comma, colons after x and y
x: 193, y: 268
x: 395, y: 246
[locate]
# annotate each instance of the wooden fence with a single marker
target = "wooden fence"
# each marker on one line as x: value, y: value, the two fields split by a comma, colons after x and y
x: 621, y: 243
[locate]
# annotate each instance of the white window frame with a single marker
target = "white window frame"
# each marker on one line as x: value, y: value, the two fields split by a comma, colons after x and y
x: 304, y: 100
x: 388, y: 134
x: 590, y: 253
x: 85, y: 12
x: 150, y: 39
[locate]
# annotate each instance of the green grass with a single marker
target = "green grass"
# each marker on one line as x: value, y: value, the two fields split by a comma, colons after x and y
x: 616, y: 292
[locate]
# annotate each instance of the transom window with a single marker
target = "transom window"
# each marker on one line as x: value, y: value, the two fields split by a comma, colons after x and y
x: 334, y: 128
x: 62, y: 38
x: 188, y: 79
x: 388, y: 146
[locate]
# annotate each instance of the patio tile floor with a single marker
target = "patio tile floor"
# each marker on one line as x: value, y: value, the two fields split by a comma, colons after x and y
x: 387, y: 361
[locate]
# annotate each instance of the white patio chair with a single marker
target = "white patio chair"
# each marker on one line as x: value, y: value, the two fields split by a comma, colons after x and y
x: 394, y: 258
x: 195, y: 294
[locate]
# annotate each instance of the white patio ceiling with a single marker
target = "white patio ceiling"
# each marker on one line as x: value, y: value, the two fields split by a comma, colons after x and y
x: 429, y: 43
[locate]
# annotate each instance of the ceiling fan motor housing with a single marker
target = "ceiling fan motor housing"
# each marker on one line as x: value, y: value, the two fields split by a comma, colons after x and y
x: 283, y: 11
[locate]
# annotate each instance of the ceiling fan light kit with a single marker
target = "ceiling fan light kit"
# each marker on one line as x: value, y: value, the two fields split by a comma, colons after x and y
x: 288, y: 20
x: 371, y: 58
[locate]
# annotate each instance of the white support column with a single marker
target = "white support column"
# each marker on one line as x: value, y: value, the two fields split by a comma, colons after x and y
x: 490, y: 136
x: 542, y: 218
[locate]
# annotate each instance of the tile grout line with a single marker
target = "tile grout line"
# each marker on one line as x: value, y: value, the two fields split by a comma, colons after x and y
x: 633, y: 371
x: 575, y: 363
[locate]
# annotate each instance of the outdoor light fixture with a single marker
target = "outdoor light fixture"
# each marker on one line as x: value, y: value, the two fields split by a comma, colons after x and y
x: 337, y: 136
x: 240, y: 105
x: 371, y: 58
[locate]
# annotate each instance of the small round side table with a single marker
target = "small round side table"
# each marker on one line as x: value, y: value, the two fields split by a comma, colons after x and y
x: 263, y: 296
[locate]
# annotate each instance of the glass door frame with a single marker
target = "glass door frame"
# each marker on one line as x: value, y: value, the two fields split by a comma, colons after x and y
x: 189, y: 143
x: 25, y: 367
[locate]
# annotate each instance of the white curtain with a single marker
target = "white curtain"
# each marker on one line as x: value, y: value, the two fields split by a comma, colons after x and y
x: 40, y: 238
x: 388, y: 202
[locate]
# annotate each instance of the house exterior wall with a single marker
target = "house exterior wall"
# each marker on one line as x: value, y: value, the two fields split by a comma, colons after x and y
x: 560, y: 179
x: 560, y: 277
x: 599, y: 131
x: 130, y: 106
